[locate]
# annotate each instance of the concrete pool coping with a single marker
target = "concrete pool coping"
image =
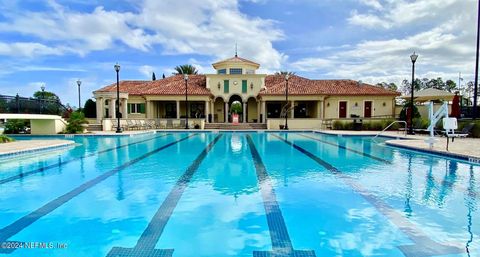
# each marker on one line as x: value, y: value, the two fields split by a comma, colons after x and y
x: 21, y: 147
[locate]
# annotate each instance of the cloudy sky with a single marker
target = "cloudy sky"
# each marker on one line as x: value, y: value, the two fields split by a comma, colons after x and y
x: 55, y: 42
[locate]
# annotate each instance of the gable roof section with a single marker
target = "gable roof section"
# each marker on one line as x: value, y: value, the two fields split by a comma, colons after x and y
x: 236, y: 59
x: 275, y: 85
x: 174, y: 85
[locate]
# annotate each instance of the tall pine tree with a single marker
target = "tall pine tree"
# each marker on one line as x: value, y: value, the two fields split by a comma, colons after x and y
x: 153, y: 77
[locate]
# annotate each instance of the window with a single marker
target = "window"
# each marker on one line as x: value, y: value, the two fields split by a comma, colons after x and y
x: 222, y: 71
x: 136, y: 108
x: 226, y: 86
x: 235, y: 71
x: 244, y: 86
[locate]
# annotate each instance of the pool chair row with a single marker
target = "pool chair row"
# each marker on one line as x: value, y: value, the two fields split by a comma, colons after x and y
x: 145, y: 124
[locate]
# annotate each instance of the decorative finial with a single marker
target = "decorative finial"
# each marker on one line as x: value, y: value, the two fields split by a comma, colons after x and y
x: 236, y: 55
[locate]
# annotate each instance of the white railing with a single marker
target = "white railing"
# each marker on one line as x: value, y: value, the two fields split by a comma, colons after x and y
x: 391, y: 124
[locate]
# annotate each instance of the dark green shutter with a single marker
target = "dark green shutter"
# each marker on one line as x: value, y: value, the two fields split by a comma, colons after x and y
x: 244, y: 86
x: 226, y: 86
x: 142, y: 108
x: 129, y: 108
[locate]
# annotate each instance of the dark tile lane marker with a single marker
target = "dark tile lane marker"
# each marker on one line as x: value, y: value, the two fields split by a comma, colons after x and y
x: 20, y: 224
x: 348, y: 149
x: 145, y: 246
x: 281, y: 243
x: 424, y: 246
x: 58, y: 164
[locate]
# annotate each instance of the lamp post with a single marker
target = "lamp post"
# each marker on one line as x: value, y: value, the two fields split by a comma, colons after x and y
x: 286, y: 102
x: 79, y: 82
x: 413, y: 57
x: 475, y: 91
x: 43, y: 98
x: 117, y: 104
x: 185, y: 78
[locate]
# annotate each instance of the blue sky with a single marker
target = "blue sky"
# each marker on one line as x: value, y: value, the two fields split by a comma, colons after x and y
x: 54, y: 43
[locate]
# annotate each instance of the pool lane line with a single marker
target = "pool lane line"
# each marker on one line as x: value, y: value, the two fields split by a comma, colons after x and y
x: 348, y: 149
x: 146, y: 243
x: 423, y: 245
x: 458, y: 187
x: 281, y: 243
x: 59, y: 164
x: 27, y: 220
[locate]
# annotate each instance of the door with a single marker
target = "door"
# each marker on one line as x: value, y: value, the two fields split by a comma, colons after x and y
x: 367, y: 109
x: 342, y: 109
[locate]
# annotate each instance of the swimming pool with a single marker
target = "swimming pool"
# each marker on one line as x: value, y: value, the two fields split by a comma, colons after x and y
x: 238, y: 194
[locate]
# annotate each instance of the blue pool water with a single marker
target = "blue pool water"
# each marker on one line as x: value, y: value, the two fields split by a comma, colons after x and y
x: 238, y: 194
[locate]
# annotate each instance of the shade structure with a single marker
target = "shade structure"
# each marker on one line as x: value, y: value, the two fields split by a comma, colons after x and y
x: 455, y: 107
x: 431, y: 94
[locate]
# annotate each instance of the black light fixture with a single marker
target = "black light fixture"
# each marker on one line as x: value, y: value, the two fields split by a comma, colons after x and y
x: 286, y: 102
x: 219, y: 85
x: 79, y: 100
x: 117, y: 104
x: 185, y: 78
x: 251, y: 86
x: 413, y: 57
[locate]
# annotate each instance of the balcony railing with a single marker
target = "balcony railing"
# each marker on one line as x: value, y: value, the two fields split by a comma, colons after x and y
x: 25, y: 105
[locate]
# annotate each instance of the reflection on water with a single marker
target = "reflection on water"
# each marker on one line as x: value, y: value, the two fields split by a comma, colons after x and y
x: 236, y: 143
x: 409, y: 189
x: 472, y: 206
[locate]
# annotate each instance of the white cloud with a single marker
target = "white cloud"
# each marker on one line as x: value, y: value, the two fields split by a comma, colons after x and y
x: 29, y: 49
x: 367, y: 20
x: 372, y: 3
x: 206, y: 27
x: 147, y: 70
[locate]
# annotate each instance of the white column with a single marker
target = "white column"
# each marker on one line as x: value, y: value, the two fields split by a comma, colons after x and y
x: 264, y: 111
x: 320, y: 109
x: 100, y: 109
x: 244, y: 114
x: 178, y: 109
x: 125, y: 108
x: 112, y: 109
x: 226, y: 112
x: 207, y: 110
x: 292, y: 110
x: 259, y: 111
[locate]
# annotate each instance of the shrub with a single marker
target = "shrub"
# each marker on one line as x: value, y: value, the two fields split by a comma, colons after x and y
x: 403, y: 113
x: 337, y: 125
x: 90, y: 109
x: 75, y: 123
x: 15, y: 126
x: 6, y: 139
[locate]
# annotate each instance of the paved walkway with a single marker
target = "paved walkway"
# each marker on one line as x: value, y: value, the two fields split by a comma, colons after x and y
x: 29, y: 146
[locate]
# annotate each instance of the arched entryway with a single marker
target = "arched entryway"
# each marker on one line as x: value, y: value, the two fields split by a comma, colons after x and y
x: 236, y: 105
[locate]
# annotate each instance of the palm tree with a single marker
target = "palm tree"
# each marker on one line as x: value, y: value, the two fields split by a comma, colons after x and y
x: 290, y: 73
x: 185, y: 69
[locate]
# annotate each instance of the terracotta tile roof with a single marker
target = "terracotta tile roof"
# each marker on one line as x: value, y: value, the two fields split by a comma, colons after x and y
x: 236, y: 59
x: 174, y: 85
x: 275, y: 85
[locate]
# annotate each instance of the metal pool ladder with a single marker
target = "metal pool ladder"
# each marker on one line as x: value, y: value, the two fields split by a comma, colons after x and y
x: 391, y: 124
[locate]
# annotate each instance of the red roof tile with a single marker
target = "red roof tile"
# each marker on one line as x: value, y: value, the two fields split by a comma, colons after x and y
x: 275, y: 85
x: 174, y: 85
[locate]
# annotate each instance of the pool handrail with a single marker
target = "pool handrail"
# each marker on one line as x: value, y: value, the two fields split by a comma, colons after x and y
x: 391, y: 124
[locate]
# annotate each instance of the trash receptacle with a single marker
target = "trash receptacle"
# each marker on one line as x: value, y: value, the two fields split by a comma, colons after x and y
x: 357, y: 124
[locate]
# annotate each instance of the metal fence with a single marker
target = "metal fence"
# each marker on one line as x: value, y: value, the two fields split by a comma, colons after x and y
x: 25, y: 105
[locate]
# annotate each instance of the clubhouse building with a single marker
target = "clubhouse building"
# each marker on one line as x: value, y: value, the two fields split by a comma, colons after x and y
x: 261, y: 97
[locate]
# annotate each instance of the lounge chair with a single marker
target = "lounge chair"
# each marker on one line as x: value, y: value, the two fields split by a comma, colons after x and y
x: 150, y: 124
x: 131, y: 125
x: 169, y: 124
x: 182, y: 124
x: 158, y: 124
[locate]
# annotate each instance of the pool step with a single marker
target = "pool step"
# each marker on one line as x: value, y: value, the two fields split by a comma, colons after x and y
x: 239, y: 126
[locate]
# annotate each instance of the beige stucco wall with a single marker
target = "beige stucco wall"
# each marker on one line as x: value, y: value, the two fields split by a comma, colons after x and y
x: 257, y: 80
x: 382, y: 105
x: 47, y: 127
x: 252, y: 110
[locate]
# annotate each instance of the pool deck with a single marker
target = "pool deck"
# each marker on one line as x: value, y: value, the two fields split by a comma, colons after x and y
x: 16, y: 148
x: 464, y: 148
